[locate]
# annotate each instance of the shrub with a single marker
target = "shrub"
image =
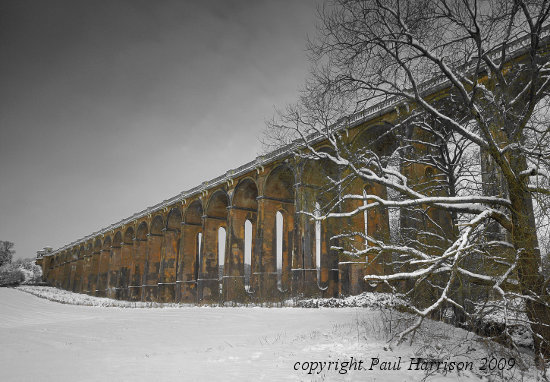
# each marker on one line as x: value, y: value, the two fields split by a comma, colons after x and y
x: 21, y: 271
x: 10, y: 275
x: 32, y: 272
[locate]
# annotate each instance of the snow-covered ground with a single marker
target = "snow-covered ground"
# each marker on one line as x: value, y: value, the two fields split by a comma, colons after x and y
x: 66, y: 297
x: 367, y: 299
x: 42, y: 340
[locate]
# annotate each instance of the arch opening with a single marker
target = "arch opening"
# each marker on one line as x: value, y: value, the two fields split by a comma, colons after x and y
x: 129, y: 235
x: 365, y: 218
x: 174, y: 219
x: 217, y: 205
x: 193, y: 213
x: 107, y: 243
x: 280, y: 184
x: 117, y: 240
x: 279, y: 248
x: 318, y: 241
x: 157, y: 225
x: 199, y: 255
x: 213, y: 246
x: 320, y: 189
x: 142, y: 230
x: 221, y: 254
x: 247, y: 253
x: 193, y: 217
x: 246, y: 194
x: 244, y: 214
x: 137, y: 268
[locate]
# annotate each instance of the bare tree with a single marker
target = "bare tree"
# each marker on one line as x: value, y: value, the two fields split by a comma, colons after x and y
x: 464, y: 85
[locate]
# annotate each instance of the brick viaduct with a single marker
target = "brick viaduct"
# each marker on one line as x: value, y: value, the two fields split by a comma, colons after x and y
x: 171, y: 251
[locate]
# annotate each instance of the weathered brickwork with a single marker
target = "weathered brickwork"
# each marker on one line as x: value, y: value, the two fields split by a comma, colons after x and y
x: 169, y: 253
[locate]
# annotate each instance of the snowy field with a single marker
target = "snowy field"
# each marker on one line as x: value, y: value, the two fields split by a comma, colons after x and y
x: 42, y: 340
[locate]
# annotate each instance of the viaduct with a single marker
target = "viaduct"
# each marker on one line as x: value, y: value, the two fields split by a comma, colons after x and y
x: 246, y: 219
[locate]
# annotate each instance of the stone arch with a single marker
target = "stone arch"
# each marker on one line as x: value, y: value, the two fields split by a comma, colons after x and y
x: 97, y: 244
x: 419, y: 144
x: 215, y: 216
x: 94, y: 268
x: 373, y: 147
x: 316, y: 171
x: 382, y: 141
x: 174, y: 219
x: 318, y: 193
x: 113, y: 279
x: 245, y: 194
x: 81, y: 251
x: 169, y: 256
x: 61, y: 269
x: 316, y: 180
x: 104, y: 260
x: 193, y: 213
x: 67, y: 268
x: 87, y: 267
x: 244, y: 207
x: 157, y: 225
x: 189, y: 258
x: 79, y: 277
x: 280, y: 183
x: 117, y: 239
x: 217, y: 205
x: 126, y: 262
x: 152, y: 266
x: 142, y: 230
x: 107, y: 243
x: 55, y: 272
x: 52, y: 277
x: 71, y: 268
x: 137, y: 267
x: 128, y: 235
x: 379, y: 139
x: 278, y: 196
x: 76, y: 268
x: 74, y: 253
x: 49, y: 277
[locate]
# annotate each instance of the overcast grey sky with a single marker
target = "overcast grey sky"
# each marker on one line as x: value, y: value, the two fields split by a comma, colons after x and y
x: 107, y: 107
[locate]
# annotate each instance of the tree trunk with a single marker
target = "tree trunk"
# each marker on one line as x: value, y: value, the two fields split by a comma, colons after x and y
x: 530, y: 279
